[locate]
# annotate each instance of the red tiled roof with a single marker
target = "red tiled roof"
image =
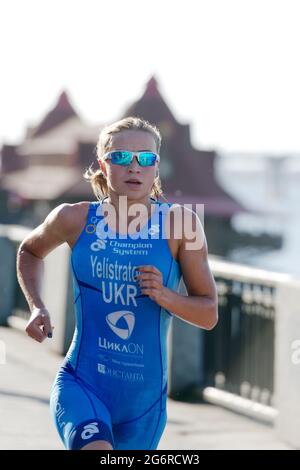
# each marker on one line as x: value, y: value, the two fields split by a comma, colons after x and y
x: 41, y: 182
x: 212, y: 205
x: 62, y: 111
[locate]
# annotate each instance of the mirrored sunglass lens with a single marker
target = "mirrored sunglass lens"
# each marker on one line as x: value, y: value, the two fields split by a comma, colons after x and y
x: 121, y: 158
x: 147, y: 158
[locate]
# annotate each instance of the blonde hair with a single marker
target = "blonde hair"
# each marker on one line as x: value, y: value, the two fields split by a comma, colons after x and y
x: 97, y: 177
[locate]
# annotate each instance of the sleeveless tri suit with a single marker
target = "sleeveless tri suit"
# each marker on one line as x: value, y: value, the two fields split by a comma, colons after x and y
x: 112, y: 384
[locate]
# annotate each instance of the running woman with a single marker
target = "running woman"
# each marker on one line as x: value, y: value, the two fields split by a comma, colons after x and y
x: 110, y: 391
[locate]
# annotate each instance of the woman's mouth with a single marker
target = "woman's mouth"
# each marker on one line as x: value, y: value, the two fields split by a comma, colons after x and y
x: 133, y: 183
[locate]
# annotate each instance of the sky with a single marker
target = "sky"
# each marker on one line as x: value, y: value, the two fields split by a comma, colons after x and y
x: 229, y: 68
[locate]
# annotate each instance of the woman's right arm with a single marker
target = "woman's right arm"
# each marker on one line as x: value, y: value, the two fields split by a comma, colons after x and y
x: 54, y: 231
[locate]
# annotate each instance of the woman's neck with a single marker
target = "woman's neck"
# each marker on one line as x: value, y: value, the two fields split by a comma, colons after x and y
x: 122, y: 217
x: 122, y: 207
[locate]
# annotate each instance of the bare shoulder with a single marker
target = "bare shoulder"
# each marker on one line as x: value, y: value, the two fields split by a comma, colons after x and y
x: 185, y: 224
x: 193, y: 254
x: 63, y: 224
x: 69, y: 213
x: 69, y: 219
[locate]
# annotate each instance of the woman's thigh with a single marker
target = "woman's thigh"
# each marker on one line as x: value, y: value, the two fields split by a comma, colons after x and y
x: 79, y: 415
x: 142, y: 433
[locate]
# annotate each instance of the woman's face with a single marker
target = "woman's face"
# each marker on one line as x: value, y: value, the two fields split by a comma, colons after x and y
x: 117, y: 175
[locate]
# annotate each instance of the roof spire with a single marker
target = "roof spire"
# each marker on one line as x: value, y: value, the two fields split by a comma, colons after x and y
x: 151, y: 88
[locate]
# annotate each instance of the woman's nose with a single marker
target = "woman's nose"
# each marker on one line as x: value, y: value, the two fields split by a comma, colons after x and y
x: 134, y: 164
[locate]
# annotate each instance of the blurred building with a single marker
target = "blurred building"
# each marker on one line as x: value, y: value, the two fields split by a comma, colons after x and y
x: 46, y: 169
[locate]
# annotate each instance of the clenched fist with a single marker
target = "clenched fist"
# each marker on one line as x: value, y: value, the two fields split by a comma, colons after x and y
x: 39, y: 325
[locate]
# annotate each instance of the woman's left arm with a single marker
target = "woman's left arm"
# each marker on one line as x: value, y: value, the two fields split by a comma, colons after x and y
x: 200, y: 306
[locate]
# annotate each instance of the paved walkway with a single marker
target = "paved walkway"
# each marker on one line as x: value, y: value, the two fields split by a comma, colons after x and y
x: 25, y: 420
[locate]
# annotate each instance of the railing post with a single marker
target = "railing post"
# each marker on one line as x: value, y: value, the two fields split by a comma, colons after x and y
x: 7, y: 278
x: 287, y: 362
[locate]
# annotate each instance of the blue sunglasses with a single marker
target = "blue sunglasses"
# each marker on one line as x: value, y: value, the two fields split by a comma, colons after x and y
x: 125, y: 157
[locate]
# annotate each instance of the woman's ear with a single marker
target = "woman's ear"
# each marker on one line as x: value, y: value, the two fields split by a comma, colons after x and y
x: 100, y: 166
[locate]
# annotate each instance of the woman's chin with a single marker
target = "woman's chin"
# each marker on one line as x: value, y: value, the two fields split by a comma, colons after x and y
x: 133, y: 187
